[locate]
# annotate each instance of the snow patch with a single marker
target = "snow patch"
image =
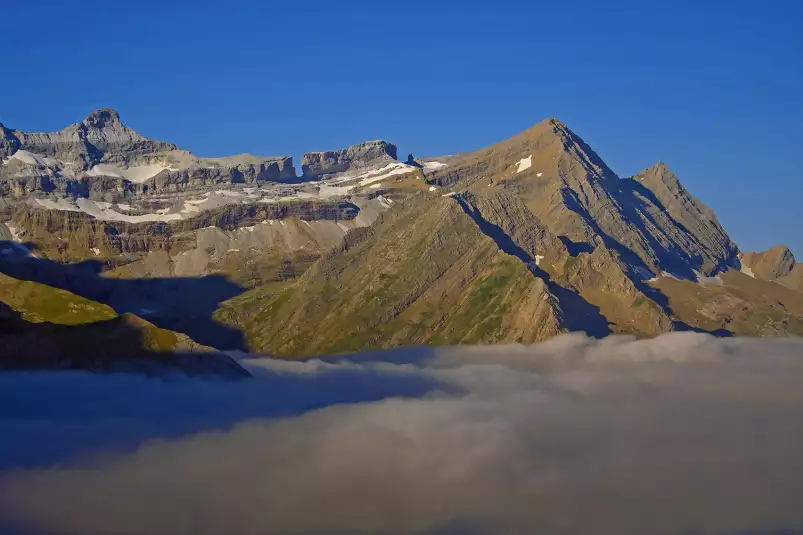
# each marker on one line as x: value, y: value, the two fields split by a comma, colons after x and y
x: 104, y: 214
x: 432, y: 188
x: 451, y: 193
x: 137, y: 174
x: 385, y: 172
x: 525, y: 163
x: 539, y: 174
x: 96, y: 251
x: 29, y: 158
x: 434, y: 165
x: 538, y: 259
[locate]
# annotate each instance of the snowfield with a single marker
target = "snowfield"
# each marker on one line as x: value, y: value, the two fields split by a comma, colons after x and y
x: 525, y: 163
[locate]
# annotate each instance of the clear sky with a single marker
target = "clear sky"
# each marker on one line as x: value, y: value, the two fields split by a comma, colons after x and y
x: 714, y: 88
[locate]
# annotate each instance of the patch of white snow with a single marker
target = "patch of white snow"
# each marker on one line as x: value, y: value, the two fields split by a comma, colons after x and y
x: 525, y: 163
x: 29, y: 158
x: 434, y: 165
x: 137, y: 174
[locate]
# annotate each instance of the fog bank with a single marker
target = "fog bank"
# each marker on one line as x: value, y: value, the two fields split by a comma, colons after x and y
x: 683, y: 433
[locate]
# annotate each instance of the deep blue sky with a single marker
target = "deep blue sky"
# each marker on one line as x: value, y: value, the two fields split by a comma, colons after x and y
x: 713, y: 88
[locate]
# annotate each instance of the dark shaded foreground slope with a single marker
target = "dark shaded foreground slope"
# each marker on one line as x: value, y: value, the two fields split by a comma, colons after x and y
x: 181, y: 304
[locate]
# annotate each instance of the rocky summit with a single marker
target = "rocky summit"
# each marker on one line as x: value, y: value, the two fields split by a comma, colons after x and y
x: 105, y: 233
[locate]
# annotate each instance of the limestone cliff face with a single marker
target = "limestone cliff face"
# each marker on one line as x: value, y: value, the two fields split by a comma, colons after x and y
x: 370, y: 153
x: 72, y: 235
x: 81, y: 159
x: 19, y: 181
x: 99, y: 138
x: 275, y: 170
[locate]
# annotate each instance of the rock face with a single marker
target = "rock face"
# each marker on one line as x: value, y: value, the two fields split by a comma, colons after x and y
x: 772, y: 264
x: 80, y: 160
x: 560, y: 178
x: 99, y: 138
x: 693, y: 223
x: 364, y: 155
x: 74, y: 234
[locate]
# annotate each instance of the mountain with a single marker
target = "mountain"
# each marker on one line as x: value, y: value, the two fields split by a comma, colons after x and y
x: 47, y: 328
x: 516, y: 242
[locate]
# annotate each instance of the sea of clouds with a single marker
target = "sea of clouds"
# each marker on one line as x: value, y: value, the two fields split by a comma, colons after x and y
x: 681, y: 434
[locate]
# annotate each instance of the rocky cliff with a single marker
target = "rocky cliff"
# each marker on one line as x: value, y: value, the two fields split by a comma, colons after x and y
x: 73, y: 235
x: 100, y: 157
x: 99, y: 138
x: 368, y: 154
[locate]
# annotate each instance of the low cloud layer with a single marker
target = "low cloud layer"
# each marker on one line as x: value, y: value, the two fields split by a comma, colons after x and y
x: 680, y: 434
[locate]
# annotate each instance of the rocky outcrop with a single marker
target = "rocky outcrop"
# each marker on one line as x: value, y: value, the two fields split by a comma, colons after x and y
x: 9, y: 144
x: 273, y: 169
x: 99, y: 138
x: 71, y: 235
x: 17, y: 182
x: 65, y: 162
x: 769, y: 265
x: 368, y: 154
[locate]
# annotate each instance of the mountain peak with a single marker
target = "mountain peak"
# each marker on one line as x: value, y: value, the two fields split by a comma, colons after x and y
x: 661, y: 166
x: 102, y: 117
x: 770, y: 264
x: 659, y: 173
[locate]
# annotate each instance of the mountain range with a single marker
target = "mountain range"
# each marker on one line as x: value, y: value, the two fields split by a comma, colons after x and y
x: 103, y: 229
